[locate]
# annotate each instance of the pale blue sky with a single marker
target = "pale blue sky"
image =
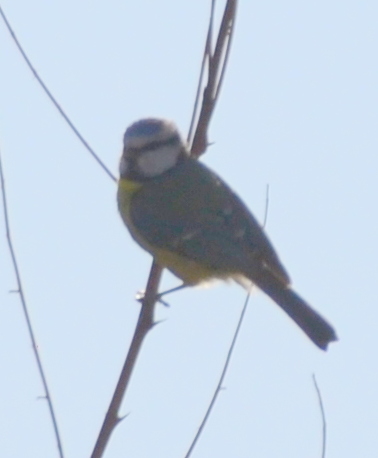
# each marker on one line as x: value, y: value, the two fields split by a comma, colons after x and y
x: 298, y: 111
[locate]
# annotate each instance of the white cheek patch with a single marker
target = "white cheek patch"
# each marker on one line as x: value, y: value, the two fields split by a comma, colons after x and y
x: 157, y: 161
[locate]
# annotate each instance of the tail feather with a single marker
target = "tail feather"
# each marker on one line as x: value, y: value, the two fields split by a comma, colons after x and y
x: 311, y: 323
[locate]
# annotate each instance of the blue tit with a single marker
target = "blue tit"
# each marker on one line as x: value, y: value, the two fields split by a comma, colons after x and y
x: 193, y: 224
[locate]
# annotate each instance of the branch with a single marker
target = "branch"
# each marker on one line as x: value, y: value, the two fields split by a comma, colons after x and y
x: 145, y: 323
x: 53, y: 99
x: 220, y: 382
x: 324, y: 423
x: 20, y: 291
x: 217, y: 63
x: 206, y: 53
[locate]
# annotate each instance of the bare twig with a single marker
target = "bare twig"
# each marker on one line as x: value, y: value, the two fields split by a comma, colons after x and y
x: 206, y: 54
x: 216, y: 62
x: 223, y: 46
x: 145, y: 323
x: 220, y: 382
x: 324, y: 422
x: 52, y: 98
x: 21, y: 293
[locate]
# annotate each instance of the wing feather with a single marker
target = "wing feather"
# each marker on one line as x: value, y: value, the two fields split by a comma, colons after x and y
x: 189, y: 210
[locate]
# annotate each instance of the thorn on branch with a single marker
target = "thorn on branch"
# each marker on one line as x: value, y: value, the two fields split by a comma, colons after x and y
x: 120, y: 419
x: 155, y: 323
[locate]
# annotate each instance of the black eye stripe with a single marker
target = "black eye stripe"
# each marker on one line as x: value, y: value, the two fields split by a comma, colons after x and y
x: 175, y: 139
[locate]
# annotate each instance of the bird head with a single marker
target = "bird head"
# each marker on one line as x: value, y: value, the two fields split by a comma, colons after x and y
x: 151, y: 147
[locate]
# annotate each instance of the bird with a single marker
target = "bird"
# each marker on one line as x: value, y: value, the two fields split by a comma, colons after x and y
x: 193, y: 223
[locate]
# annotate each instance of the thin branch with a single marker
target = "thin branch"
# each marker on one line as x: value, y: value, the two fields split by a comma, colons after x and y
x: 222, y: 50
x: 217, y: 63
x: 324, y: 421
x: 20, y: 291
x: 221, y: 379
x: 206, y: 54
x: 145, y: 323
x: 52, y: 98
